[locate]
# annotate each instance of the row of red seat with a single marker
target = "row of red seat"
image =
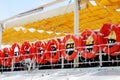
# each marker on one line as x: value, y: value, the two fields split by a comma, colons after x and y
x: 42, y: 51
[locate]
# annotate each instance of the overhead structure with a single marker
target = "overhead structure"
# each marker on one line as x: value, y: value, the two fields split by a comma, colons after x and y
x: 38, y: 9
x: 40, y: 16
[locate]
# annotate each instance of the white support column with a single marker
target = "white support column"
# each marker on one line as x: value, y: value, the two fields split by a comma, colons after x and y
x: 76, y: 27
x: 76, y: 17
x: 100, y: 56
x: 62, y: 58
x: 1, y: 27
x: 12, y: 63
x: 33, y: 64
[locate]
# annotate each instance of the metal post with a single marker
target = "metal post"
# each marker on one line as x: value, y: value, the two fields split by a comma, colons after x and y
x: 1, y: 28
x: 12, y: 67
x: 62, y: 66
x: 76, y: 17
x: 100, y: 56
x: 33, y: 62
x: 76, y: 26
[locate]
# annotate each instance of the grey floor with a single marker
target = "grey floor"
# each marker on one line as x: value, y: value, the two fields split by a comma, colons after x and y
x: 112, y: 73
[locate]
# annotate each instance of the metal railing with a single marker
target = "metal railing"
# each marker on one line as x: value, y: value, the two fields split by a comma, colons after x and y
x: 101, y: 60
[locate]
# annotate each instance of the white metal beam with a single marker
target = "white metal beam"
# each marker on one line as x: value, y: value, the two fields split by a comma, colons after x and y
x: 1, y: 29
x: 32, y: 10
x: 76, y: 26
x: 76, y: 17
x: 40, y: 16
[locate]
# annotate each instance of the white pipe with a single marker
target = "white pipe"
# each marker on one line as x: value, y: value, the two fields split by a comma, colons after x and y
x: 76, y: 27
x: 76, y: 17
x: 1, y: 27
